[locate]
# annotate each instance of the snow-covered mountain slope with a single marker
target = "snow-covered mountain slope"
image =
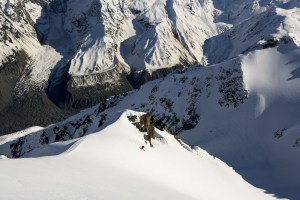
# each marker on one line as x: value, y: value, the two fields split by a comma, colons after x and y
x: 103, y: 41
x: 16, y: 29
x: 73, y: 54
x: 236, y: 11
x: 110, y: 165
x: 244, y: 111
x: 264, y: 30
x: 98, y: 36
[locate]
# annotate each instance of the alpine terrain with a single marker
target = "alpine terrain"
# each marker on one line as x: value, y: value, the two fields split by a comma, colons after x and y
x: 153, y: 99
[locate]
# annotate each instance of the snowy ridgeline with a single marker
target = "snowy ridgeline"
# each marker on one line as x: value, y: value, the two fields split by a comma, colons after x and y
x: 265, y: 30
x: 244, y: 111
x: 110, y: 164
x: 164, y: 99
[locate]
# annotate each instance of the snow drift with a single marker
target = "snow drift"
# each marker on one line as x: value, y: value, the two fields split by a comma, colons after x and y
x: 110, y: 165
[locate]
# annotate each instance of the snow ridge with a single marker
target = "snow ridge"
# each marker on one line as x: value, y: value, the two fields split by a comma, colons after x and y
x: 107, y: 159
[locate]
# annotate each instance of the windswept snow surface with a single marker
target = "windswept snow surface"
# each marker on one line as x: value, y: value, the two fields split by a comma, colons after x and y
x: 6, y: 138
x: 110, y: 165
